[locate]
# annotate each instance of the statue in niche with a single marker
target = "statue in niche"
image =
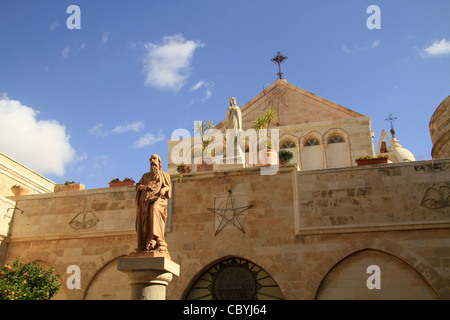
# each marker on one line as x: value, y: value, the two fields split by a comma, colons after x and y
x: 152, y: 194
x: 234, y: 116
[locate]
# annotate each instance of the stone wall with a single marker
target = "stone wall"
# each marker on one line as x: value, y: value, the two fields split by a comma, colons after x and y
x: 311, y: 231
x: 88, y: 228
x: 385, y: 197
x: 301, y: 224
x: 14, y: 173
x: 7, y: 211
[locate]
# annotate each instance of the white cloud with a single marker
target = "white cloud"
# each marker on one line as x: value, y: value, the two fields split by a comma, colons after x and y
x: 105, y: 37
x: 200, y: 84
x: 79, y: 162
x: 438, y: 48
x: 99, y: 130
x: 345, y: 49
x: 208, y: 95
x: 364, y: 46
x: 135, y: 126
x: 191, y: 102
x: 65, y: 52
x: 101, y: 162
x: 42, y: 145
x: 149, y: 139
x: 73, y: 48
x: 168, y: 65
x: 54, y: 25
x: 132, y: 45
x: 197, y: 85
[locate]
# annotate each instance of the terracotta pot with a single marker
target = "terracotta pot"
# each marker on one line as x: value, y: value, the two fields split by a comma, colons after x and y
x: 69, y: 187
x: 121, y: 183
x: 268, y: 158
x: 205, y: 167
x: 19, y: 191
x: 365, y: 162
x: 186, y: 169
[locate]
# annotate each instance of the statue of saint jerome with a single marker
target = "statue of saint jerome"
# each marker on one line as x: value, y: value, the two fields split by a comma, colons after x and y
x: 152, y: 194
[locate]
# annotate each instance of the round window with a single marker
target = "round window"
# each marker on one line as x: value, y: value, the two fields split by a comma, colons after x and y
x: 234, y: 279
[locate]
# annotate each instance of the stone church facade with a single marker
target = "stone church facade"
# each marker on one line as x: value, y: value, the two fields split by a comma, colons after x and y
x: 322, y: 227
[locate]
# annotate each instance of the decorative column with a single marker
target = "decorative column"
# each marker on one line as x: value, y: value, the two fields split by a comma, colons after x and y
x: 148, y: 275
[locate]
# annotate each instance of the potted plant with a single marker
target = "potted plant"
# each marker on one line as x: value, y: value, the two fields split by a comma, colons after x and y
x: 117, y: 183
x: 181, y: 170
x: 369, y: 160
x: 285, y: 156
x: 267, y: 156
x: 69, y: 186
x: 202, y: 129
x: 19, y: 190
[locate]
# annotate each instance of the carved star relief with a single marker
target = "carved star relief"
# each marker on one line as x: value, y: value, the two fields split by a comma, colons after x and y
x: 228, y: 213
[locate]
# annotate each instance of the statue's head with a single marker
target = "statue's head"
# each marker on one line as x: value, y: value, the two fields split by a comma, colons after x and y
x: 232, y: 101
x: 155, y: 162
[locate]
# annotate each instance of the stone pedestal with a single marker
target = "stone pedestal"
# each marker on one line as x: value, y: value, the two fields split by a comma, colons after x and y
x: 148, y: 275
x: 235, y: 161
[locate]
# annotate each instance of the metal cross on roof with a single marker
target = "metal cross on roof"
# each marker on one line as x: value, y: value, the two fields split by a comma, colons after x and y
x: 278, y: 59
x: 391, y: 120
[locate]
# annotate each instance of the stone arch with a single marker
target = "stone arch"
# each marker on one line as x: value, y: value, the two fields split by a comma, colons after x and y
x: 333, y: 132
x: 45, y: 256
x: 394, y: 279
x: 337, y: 154
x: 289, y: 137
x: 91, y: 270
x: 234, y: 278
x: 47, y: 259
x: 429, y: 275
x: 99, y: 288
x: 312, y: 156
x: 311, y: 141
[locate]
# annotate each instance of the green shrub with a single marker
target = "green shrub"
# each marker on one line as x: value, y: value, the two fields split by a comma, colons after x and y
x: 285, y: 156
x: 28, y: 281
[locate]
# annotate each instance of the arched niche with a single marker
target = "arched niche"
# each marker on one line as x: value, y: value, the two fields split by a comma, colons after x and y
x: 347, y: 280
x: 109, y: 284
x: 312, y: 152
x: 337, y: 149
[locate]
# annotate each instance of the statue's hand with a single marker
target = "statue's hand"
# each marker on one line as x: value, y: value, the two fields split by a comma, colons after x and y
x: 164, y: 191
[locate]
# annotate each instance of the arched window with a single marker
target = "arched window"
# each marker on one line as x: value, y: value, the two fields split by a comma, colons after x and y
x: 234, y: 279
x: 312, y: 142
x: 337, y: 151
x: 288, y: 144
x: 336, y: 139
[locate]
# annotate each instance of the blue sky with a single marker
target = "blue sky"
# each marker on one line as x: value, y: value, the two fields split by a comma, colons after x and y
x: 92, y: 104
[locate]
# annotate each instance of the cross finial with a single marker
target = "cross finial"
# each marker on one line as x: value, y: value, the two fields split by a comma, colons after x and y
x: 278, y: 59
x: 391, y: 120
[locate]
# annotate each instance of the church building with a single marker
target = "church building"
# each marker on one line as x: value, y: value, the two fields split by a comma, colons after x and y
x: 324, y: 225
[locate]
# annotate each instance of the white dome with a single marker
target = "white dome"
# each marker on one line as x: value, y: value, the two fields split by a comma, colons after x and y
x: 400, y: 153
